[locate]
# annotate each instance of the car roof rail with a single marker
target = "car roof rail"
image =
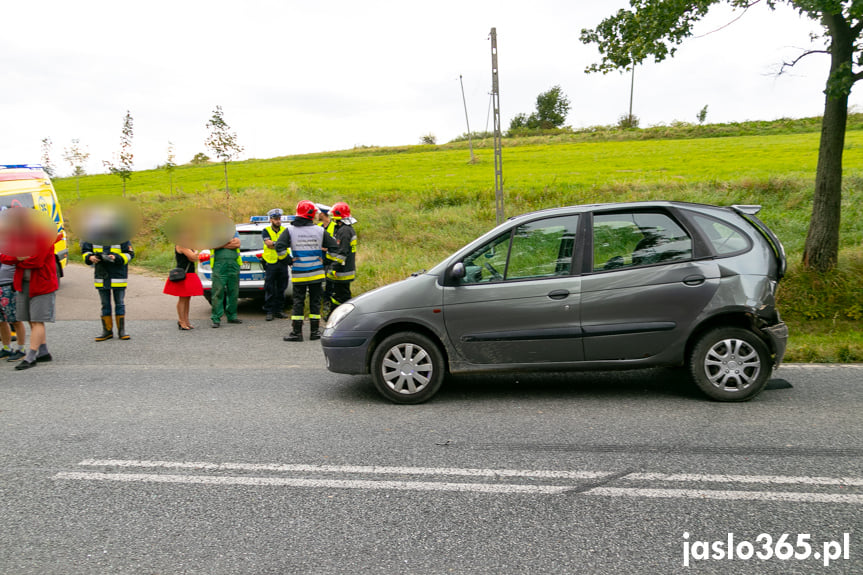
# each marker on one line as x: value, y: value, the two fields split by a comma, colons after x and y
x: 748, y: 209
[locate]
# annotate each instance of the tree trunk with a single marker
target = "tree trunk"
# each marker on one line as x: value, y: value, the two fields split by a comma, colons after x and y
x: 821, y: 251
x: 227, y: 191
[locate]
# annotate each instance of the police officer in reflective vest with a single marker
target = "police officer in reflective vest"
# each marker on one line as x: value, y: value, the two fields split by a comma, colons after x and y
x: 306, y: 241
x: 275, y: 267
x: 342, y: 273
x: 111, y: 273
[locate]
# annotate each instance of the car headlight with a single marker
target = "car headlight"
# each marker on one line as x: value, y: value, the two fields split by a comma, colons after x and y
x: 339, y: 314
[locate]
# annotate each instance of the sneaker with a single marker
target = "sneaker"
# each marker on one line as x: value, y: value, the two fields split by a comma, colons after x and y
x: 269, y: 317
x: 216, y: 324
x: 279, y: 315
x: 16, y: 355
x: 5, y: 353
x: 235, y: 320
x: 46, y: 357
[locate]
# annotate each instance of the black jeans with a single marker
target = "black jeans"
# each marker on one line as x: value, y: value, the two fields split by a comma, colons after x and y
x: 119, y: 301
x: 299, y: 292
x: 341, y: 293
x: 275, y: 284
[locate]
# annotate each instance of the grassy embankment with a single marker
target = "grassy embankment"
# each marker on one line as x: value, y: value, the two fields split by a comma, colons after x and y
x: 416, y: 204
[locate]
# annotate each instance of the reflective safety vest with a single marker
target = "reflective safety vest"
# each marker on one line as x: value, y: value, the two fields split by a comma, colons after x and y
x: 306, y: 244
x: 271, y: 256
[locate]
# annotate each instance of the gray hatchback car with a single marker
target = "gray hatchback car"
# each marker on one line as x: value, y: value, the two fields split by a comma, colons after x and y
x: 603, y: 286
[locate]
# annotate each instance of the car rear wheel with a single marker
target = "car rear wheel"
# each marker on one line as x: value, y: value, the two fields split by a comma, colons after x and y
x: 730, y: 364
x: 407, y: 367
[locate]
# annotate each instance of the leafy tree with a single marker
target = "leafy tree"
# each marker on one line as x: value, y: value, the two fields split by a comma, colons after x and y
x: 200, y: 159
x: 47, y: 164
x: 552, y: 106
x: 125, y: 157
x: 76, y: 155
x: 628, y: 122
x: 654, y: 28
x: 222, y: 141
x: 428, y: 139
x: 702, y: 114
x: 170, y: 165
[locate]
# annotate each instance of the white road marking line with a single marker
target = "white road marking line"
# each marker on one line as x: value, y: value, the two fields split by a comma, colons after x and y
x: 315, y: 483
x: 726, y: 495
x: 777, y: 479
x: 367, y: 469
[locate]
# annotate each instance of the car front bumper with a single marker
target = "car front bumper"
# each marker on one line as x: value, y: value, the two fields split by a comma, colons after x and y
x: 347, y: 352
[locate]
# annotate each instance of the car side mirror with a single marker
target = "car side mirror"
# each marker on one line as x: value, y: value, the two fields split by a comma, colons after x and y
x: 457, y: 272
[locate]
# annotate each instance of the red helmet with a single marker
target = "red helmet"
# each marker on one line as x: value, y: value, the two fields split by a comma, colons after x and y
x: 340, y: 210
x: 306, y: 209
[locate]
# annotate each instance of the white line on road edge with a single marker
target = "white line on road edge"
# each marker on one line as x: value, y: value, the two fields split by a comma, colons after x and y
x: 315, y: 483
x: 777, y: 479
x: 367, y: 469
x: 716, y: 494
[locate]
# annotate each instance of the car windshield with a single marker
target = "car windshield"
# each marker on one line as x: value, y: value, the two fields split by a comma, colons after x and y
x: 251, y: 241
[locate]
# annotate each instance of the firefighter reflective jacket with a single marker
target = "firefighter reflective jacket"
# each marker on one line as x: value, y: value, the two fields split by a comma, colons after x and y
x: 107, y: 274
x: 271, y: 256
x: 345, y: 271
x: 306, y: 241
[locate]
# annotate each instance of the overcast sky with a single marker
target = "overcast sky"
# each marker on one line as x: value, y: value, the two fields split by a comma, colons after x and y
x: 298, y: 77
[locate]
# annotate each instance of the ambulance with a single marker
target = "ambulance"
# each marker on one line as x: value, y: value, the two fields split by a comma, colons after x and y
x: 28, y: 186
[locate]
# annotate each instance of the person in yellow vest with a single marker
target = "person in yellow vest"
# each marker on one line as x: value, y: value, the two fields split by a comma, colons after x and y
x: 275, y: 267
x: 225, y: 261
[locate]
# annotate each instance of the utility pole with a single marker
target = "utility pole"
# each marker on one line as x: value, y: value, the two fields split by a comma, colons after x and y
x: 631, y: 92
x: 498, y: 158
x: 467, y: 121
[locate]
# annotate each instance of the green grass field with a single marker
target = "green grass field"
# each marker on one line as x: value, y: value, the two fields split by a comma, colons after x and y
x: 416, y: 204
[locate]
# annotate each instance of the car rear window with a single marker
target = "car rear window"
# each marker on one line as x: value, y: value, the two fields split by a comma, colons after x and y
x: 724, y: 238
x: 632, y: 239
x: 17, y: 200
x: 251, y: 241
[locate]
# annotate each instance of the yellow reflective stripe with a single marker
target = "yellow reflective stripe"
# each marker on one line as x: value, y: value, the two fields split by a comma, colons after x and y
x: 126, y: 257
x: 305, y: 279
x: 119, y: 284
x: 87, y: 255
x: 97, y: 283
x: 314, y: 316
x: 354, y: 245
x: 297, y: 318
x: 336, y: 257
x: 116, y: 250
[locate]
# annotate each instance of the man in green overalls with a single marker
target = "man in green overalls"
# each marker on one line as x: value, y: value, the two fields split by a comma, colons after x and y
x: 225, y: 263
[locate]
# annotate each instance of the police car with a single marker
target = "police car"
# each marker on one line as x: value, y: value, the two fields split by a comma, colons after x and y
x: 251, y: 252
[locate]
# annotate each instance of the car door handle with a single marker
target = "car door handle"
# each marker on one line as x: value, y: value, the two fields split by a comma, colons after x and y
x: 559, y: 294
x: 695, y: 280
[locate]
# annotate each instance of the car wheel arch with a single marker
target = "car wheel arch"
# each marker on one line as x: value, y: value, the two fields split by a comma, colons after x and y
x: 403, y: 326
x: 739, y: 319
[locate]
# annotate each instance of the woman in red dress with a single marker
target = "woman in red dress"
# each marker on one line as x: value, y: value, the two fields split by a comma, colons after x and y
x: 187, y: 288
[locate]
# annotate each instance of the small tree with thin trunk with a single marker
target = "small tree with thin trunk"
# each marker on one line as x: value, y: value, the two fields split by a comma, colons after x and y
x: 47, y: 164
x: 170, y: 165
x: 125, y: 157
x: 222, y: 142
x: 76, y: 155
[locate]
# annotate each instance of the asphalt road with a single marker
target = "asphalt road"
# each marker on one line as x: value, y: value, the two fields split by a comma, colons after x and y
x: 230, y: 451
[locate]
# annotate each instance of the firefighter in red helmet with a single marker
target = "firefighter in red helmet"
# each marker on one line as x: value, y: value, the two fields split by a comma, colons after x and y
x: 306, y: 242
x: 344, y: 271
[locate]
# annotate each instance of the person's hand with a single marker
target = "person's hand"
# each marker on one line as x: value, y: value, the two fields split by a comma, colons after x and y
x: 269, y: 243
x: 93, y: 259
x: 22, y: 258
x: 109, y: 257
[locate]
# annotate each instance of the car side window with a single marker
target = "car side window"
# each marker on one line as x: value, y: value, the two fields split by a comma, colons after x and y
x: 724, y: 238
x: 487, y: 263
x: 542, y: 249
x: 632, y: 239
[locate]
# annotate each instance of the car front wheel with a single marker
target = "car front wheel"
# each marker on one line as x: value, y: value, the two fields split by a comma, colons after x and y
x: 730, y: 364
x: 407, y: 367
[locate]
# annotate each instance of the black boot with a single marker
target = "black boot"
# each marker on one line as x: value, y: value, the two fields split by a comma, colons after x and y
x: 121, y: 327
x: 296, y: 331
x: 107, y: 328
x: 316, y: 329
